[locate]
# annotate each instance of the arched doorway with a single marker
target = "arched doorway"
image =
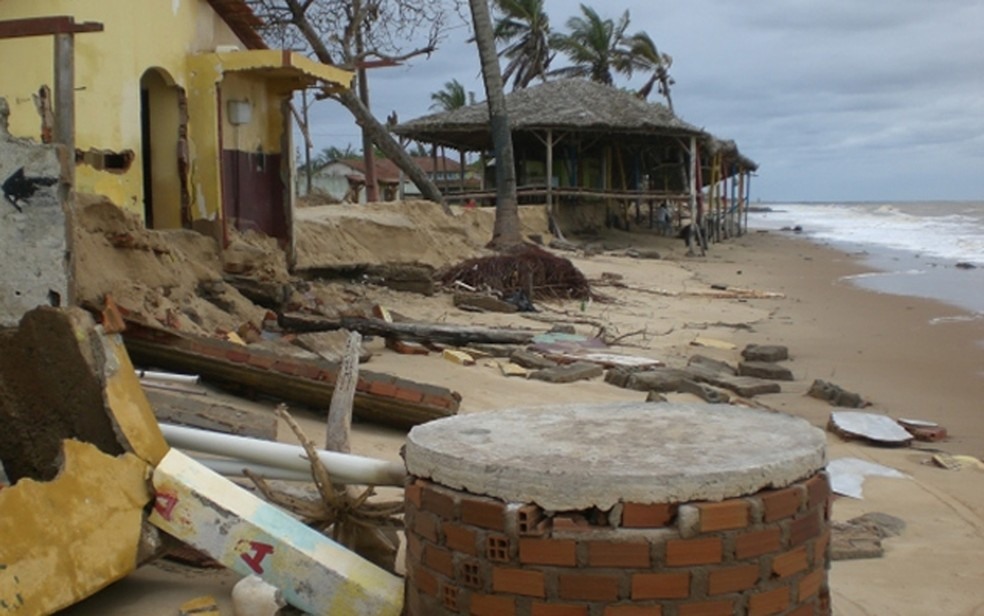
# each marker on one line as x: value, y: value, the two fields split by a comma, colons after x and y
x: 162, y: 130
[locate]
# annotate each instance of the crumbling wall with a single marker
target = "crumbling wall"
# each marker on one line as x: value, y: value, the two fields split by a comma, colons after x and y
x: 33, y: 237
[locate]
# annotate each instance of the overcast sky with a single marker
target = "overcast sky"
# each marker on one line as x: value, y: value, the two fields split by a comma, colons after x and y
x: 837, y: 100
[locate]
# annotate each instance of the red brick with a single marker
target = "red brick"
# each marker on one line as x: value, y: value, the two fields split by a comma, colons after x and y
x: 327, y: 376
x: 449, y: 597
x: 726, y: 515
x: 581, y: 587
x: 638, y: 515
x: 817, y: 490
x: 460, y: 539
x: 240, y: 357
x: 287, y: 367
x: 681, y: 552
x: 261, y: 361
x: 484, y: 513
x: 571, y: 522
x: 426, y: 525
x: 790, y: 563
x: 810, y: 584
x: 768, y: 602
x: 518, y: 582
x: 807, y: 609
x: 618, y: 554
x: 425, y: 581
x: 528, y: 520
x: 805, y: 528
x: 492, y: 605
x: 558, y: 609
x: 820, y: 549
x: 633, y: 610
x: 707, y: 608
x: 362, y: 384
x: 756, y: 543
x: 498, y: 548
x: 415, y: 547
x: 660, y: 586
x: 410, y: 395
x: 732, y: 579
x: 440, y: 402
x: 547, y: 552
x: 382, y: 388
x: 435, y: 500
x: 412, y: 494
x: 439, y: 560
x: 779, y: 504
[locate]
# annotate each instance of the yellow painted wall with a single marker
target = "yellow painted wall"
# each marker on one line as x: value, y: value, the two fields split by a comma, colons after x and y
x: 138, y: 34
x: 265, y: 129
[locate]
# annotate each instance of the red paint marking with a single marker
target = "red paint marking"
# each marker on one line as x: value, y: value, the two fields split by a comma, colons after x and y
x: 164, y: 505
x: 260, y: 551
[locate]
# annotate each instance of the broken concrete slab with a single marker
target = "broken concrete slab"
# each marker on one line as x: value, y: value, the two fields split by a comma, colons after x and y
x: 835, y: 395
x: 67, y: 538
x: 853, y: 542
x: 871, y: 427
x: 578, y: 371
x: 744, y: 386
x: 704, y: 392
x: 458, y: 357
x: 252, y: 537
x: 924, y: 430
x: 507, y: 368
x: 329, y: 345
x: 709, y: 363
x: 765, y: 352
x: 847, y: 475
x: 765, y: 370
x: 659, y: 379
x: 209, y: 414
x: 531, y: 360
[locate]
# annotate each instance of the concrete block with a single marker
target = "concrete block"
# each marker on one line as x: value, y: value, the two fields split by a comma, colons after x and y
x: 65, y: 539
x: 765, y: 352
x: 568, y: 374
x: 531, y: 360
x: 765, y: 370
x: 253, y: 537
x: 458, y: 357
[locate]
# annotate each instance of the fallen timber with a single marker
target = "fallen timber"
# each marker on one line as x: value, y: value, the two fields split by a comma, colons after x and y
x: 457, y: 335
x: 379, y: 398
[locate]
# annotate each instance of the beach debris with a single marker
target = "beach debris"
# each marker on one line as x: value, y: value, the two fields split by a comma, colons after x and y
x: 380, y: 398
x: 483, y: 303
x: 765, y: 352
x: 847, y: 475
x: 328, y: 345
x: 458, y: 357
x: 744, y: 386
x: 872, y: 427
x: 643, y: 253
x: 578, y: 371
x: 861, y: 537
x: 205, y: 606
x: 441, y: 333
x: 765, y: 370
x: 956, y: 462
x: 531, y: 360
x: 404, y: 347
x: 529, y: 269
x: 508, y: 368
x: 201, y: 411
x: 255, y: 537
x: 709, y: 363
x: 252, y: 596
x: 655, y: 396
x: 704, y: 392
x: 658, y: 379
x: 835, y: 395
x: 967, y: 265
x: 923, y: 430
x: 713, y: 343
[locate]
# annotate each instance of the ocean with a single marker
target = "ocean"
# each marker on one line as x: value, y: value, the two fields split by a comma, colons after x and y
x: 923, y: 249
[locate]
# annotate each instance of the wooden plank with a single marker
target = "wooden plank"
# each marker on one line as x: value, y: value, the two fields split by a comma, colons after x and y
x: 208, y: 414
x: 458, y: 335
x: 45, y: 26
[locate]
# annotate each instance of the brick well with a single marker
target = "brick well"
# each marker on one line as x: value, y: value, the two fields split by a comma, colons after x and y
x: 760, y: 553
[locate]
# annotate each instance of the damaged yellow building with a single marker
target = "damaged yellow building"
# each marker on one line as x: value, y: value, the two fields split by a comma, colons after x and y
x: 181, y: 110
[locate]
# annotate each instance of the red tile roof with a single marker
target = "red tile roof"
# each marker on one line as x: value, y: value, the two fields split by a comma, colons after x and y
x: 242, y: 20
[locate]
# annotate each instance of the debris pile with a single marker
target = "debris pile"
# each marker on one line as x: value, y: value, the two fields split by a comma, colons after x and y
x: 528, y: 270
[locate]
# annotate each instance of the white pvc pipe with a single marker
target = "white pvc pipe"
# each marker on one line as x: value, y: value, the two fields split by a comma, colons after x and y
x: 344, y: 468
x: 234, y: 468
x: 169, y: 377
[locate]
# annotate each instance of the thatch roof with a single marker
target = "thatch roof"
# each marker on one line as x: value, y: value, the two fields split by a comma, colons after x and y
x: 564, y: 104
x: 729, y: 149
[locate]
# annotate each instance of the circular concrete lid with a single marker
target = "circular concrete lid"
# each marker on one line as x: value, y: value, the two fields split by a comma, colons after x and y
x: 578, y: 456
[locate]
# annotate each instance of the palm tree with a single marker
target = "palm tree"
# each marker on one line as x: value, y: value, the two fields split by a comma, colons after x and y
x: 525, y: 29
x: 645, y: 56
x: 452, y: 97
x: 505, y: 229
x: 594, y: 46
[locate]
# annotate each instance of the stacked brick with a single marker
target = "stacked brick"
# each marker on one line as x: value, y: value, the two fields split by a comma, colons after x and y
x: 765, y: 553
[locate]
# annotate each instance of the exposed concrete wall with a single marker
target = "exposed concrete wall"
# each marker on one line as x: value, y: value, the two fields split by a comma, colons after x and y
x: 33, y: 237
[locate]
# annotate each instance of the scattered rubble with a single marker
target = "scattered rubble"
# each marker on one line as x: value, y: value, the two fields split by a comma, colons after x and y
x: 870, y: 427
x: 835, y: 395
x: 861, y: 537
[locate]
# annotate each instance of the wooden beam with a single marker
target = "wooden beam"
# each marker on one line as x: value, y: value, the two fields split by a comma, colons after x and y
x: 45, y: 26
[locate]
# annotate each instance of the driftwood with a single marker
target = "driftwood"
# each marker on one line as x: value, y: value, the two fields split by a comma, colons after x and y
x: 457, y: 335
x: 343, y: 398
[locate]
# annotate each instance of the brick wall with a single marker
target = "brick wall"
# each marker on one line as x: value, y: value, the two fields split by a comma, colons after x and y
x: 766, y: 553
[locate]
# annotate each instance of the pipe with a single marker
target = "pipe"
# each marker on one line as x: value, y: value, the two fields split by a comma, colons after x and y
x: 344, y: 468
x: 234, y: 468
x: 167, y: 376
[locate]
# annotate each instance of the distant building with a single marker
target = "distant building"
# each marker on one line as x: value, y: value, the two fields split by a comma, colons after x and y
x: 344, y: 179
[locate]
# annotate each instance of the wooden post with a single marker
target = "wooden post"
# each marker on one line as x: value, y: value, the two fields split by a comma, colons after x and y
x: 339, y: 424
x: 693, y: 191
x: 748, y: 196
x: 551, y: 223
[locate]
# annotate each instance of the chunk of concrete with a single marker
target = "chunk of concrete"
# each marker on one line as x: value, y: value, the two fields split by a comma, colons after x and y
x: 704, y: 392
x: 744, y: 386
x: 765, y: 370
x: 835, y: 395
x: 765, y: 352
x: 872, y: 427
x: 531, y: 360
x: 578, y: 371
x: 710, y: 363
x: 660, y: 379
x: 252, y: 537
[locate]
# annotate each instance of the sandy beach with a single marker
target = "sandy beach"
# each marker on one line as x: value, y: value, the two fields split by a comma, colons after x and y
x: 883, y: 347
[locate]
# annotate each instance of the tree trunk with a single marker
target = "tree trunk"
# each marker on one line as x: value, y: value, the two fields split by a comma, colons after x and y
x: 505, y: 233
x: 382, y: 137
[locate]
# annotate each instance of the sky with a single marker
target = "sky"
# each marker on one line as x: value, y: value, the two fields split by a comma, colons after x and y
x: 836, y: 100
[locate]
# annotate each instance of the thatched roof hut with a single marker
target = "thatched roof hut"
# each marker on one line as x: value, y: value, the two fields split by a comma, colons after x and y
x: 565, y: 104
